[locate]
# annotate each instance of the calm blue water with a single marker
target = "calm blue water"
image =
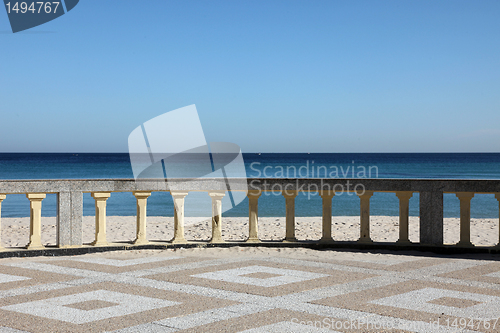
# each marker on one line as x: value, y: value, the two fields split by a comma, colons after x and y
x: 355, y: 165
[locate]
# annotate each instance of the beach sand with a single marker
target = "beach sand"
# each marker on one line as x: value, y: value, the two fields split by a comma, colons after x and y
x: 15, y: 231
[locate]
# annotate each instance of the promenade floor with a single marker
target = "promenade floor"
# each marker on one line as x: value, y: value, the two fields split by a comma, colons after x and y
x: 250, y: 290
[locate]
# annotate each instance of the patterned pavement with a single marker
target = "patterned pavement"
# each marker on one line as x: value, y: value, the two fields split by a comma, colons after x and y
x: 250, y: 290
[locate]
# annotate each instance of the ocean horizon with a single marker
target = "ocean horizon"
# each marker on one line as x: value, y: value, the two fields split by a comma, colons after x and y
x: 262, y: 165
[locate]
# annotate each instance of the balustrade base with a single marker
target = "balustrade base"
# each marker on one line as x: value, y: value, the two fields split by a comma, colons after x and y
x: 465, y: 244
x: 179, y: 241
x: 290, y: 240
x: 252, y: 240
x: 326, y: 240
x: 365, y: 240
x: 68, y: 246
x: 99, y: 243
x: 35, y: 247
x: 336, y: 245
x: 53, y: 250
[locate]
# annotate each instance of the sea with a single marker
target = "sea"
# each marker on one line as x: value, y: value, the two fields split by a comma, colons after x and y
x: 266, y: 165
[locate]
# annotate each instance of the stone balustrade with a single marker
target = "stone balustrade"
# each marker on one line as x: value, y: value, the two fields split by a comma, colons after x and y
x: 70, y: 208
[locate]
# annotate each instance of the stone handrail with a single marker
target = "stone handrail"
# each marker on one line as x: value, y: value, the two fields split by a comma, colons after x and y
x: 70, y: 205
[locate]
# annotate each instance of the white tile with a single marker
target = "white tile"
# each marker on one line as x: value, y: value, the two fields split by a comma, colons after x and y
x: 38, y: 266
x: 54, y: 308
x: 211, y: 316
x: 33, y: 289
x: 146, y: 328
x: 340, y: 289
x: 4, y: 278
x: 418, y: 300
x: 10, y: 330
x: 494, y: 274
x: 235, y: 276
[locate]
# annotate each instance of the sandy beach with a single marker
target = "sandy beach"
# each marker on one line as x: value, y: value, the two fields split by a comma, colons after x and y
x: 15, y: 231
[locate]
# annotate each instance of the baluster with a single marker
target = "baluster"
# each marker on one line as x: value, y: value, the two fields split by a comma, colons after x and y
x: 465, y: 198
x: 404, y: 216
x: 216, y: 216
x: 290, y: 215
x: 142, y: 201
x: 100, y: 217
x: 179, y: 217
x: 253, y: 216
x: 327, y: 215
x: 365, y: 216
x: 35, y: 220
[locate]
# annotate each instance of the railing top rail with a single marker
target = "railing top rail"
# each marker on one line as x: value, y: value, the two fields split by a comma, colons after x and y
x: 254, y: 184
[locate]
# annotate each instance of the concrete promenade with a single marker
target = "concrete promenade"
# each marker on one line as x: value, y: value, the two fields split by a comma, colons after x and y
x: 252, y: 289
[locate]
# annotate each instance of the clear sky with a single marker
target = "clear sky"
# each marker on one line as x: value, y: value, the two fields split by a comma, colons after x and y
x: 270, y: 76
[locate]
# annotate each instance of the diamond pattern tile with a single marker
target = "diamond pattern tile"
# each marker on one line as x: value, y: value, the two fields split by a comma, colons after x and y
x: 249, y: 290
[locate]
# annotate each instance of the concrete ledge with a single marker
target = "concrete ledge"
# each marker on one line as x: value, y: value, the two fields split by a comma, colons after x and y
x: 372, y: 247
x: 242, y: 184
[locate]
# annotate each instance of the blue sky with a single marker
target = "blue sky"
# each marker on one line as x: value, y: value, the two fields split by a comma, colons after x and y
x: 270, y: 76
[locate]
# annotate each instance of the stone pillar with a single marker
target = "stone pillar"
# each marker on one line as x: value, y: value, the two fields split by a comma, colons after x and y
x: 100, y: 217
x: 142, y: 200
x: 2, y: 197
x: 465, y: 198
x: 290, y: 215
x: 497, y: 196
x: 35, y: 220
x: 216, y: 216
x: 178, y: 217
x: 253, y: 216
x: 364, y: 216
x: 431, y: 217
x: 404, y: 216
x: 327, y: 216
x: 69, y: 219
